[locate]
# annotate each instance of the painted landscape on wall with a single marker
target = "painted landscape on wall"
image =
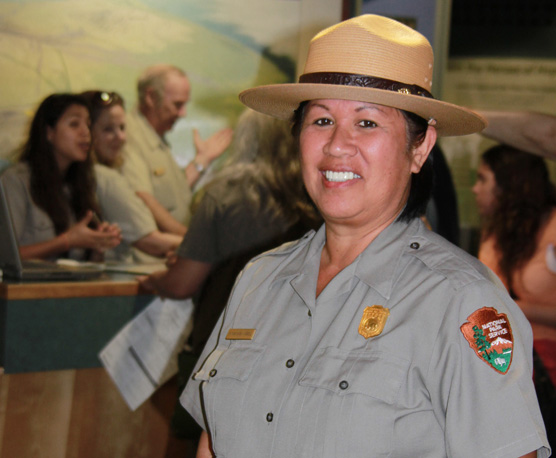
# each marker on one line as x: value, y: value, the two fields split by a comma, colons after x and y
x: 72, y: 45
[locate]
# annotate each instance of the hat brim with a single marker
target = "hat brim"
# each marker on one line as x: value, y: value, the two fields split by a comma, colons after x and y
x: 281, y: 100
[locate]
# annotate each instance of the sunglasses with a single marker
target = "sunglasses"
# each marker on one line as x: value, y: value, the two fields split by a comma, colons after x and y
x: 102, y: 98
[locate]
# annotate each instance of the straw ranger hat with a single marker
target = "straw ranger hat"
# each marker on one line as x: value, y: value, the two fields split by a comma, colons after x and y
x: 368, y: 58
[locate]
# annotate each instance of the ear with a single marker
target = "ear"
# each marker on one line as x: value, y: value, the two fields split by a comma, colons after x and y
x: 421, y: 152
x: 151, y: 98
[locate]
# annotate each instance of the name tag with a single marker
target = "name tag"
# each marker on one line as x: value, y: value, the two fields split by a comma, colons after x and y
x: 240, y: 334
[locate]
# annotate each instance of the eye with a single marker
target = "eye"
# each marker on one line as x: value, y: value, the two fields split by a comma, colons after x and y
x: 323, y: 122
x: 367, y: 123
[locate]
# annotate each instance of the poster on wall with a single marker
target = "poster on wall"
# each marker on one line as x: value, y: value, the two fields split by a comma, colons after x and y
x: 70, y: 46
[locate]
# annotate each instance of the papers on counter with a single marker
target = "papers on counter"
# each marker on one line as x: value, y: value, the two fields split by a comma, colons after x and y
x: 143, y: 355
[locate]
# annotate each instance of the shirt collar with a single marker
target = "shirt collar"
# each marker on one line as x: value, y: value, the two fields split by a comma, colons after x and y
x: 376, y: 265
x: 379, y: 262
x: 151, y: 137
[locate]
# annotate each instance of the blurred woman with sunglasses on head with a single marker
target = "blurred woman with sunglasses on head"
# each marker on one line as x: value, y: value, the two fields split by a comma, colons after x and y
x: 117, y: 200
x: 51, y: 190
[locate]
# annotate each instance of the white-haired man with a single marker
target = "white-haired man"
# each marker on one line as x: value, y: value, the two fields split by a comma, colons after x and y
x: 150, y: 168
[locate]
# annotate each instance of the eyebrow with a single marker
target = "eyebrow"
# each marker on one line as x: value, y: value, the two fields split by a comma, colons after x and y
x: 360, y: 108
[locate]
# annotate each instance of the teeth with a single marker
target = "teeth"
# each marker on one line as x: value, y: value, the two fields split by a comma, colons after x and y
x: 340, y: 176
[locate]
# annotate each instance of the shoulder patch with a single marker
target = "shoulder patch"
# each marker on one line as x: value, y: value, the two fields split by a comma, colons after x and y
x: 489, y: 334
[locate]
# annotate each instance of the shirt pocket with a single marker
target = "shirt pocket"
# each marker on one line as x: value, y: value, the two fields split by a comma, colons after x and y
x: 360, y: 390
x: 226, y: 374
x: 373, y: 374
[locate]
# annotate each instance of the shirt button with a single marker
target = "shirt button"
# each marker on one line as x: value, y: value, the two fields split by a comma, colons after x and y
x: 343, y: 385
x: 213, y: 372
x: 309, y: 313
x: 415, y: 246
x: 290, y: 363
x: 269, y: 417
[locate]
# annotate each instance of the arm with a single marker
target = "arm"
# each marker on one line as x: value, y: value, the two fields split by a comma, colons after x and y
x: 77, y: 236
x: 207, y: 151
x: 183, y: 279
x: 526, y: 130
x: 203, y: 449
x: 158, y: 243
x: 164, y: 220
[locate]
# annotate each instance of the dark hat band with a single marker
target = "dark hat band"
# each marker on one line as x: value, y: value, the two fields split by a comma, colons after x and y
x: 348, y: 79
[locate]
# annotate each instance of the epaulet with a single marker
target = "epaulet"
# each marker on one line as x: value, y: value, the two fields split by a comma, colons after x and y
x: 454, y: 264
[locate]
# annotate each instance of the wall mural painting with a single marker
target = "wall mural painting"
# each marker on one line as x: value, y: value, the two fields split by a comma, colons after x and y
x: 73, y: 45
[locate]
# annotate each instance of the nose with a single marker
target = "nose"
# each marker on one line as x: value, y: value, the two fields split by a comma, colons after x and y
x: 122, y: 135
x: 341, y: 142
x: 86, y: 131
x: 474, y: 189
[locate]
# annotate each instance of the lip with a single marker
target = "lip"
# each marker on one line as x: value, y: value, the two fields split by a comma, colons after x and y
x: 85, y: 146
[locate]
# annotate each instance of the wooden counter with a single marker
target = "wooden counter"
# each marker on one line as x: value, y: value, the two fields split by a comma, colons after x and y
x: 55, y: 399
x: 115, y: 285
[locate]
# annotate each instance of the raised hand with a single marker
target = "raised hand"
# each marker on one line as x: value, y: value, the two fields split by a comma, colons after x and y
x: 211, y: 148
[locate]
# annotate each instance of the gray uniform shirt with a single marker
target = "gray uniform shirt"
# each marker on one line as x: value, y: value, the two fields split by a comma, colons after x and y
x: 31, y: 223
x: 309, y: 384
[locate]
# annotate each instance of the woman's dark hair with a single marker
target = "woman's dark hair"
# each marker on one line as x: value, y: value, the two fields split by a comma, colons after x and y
x: 421, y: 183
x: 48, y: 185
x: 524, y: 199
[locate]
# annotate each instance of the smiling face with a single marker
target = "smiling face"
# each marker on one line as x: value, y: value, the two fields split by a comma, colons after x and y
x: 109, y: 134
x: 70, y: 137
x: 485, y: 190
x: 355, y: 161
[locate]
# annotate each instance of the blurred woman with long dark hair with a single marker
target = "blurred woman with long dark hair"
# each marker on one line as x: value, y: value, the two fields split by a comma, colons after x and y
x: 51, y: 189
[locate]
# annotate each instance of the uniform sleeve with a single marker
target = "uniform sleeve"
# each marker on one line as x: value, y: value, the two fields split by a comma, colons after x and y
x: 18, y: 198
x: 485, y: 407
x: 191, y: 396
x: 121, y: 206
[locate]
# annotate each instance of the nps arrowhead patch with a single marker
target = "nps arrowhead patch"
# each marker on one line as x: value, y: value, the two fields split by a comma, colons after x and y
x: 489, y: 334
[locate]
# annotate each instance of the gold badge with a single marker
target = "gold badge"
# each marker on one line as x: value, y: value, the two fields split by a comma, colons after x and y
x: 373, y: 321
x: 159, y: 171
x: 240, y: 334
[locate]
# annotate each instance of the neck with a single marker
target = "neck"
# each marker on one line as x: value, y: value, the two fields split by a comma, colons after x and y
x: 342, y: 246
x: 151, y: 119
